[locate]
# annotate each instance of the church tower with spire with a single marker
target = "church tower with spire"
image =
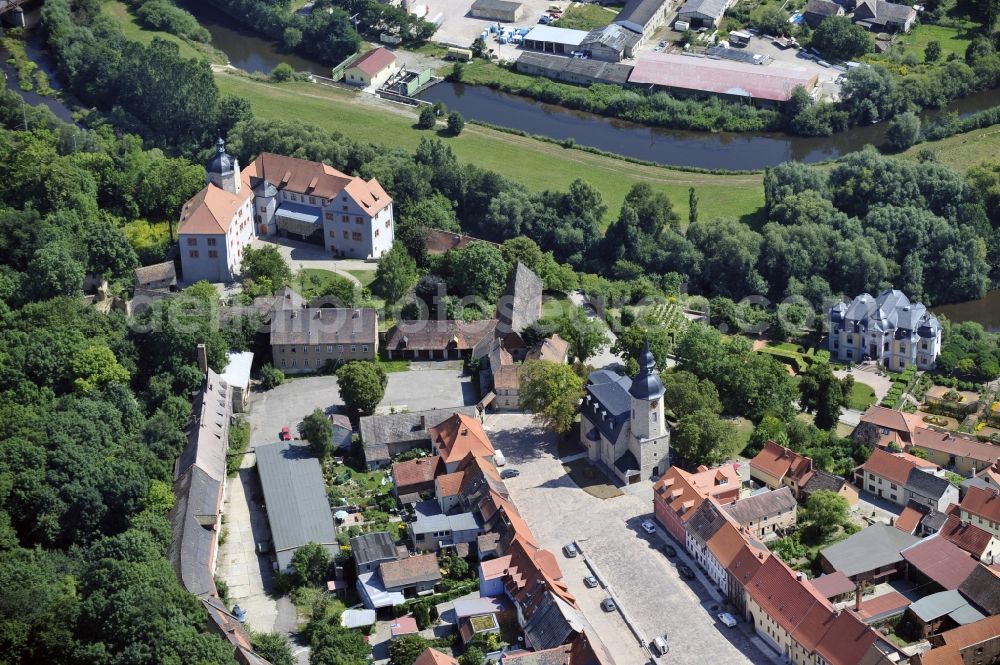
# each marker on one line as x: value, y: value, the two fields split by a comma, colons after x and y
x: 646, y: 394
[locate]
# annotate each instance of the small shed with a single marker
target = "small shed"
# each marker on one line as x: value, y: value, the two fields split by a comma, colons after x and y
x: 506, y: 11
x: 157, y: 277
x: 357, y: 618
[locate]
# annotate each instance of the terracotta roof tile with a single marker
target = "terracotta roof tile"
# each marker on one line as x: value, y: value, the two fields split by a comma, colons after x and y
x: 437, y: 335
x: 897, y: 421
x: 415, y: 471
x: 784, y: 598
x: 726, y: 543
x: 747, y: 562
x: 908, y: 519
x: 315, y: 179
x: 458, y: 436
x: 983, y: 503
x: 952, y: 444
x: 431, y: 656
x: 969, y: 537
x: 211, y: 211
x: 888, y: 466
x: 778, y: 461
x: 494, y: 568
x: 885, y: 604
x: 450, y: 483
x: 413, y: 569
x: 439, y: 242
x: 941, y: 560
x: 833, y: 584
x: 846, y: 641
x: 374, y: 61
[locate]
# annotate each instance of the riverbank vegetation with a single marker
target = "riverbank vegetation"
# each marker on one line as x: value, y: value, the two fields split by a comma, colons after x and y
x: 92, y: 410
x: 133, y: 29
x: 326, y: 33
x: 29, y: 75
x: 166, y: 16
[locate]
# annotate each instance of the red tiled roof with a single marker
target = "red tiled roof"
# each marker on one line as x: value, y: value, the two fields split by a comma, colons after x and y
x: 726, y: 543
x: 982, y: 503
x: 403, y: 626
x: 958, y: 639
x: 846, y: 641
x: 747, y: 562
x: 316, y: 179
x: 415, y: 471
x: 439, y: 242
x: 494, y: 568
x: 374, y: 61
x: 887, y: 602
x: 683, y: 492
x: 783, y: 597
x: 886, y: 465
x: 969, y: 537
x: 897, y: 421
x: 211, y: 211
x: 458, y: 436
x: 450, y: 483
x: 432, y: 656
x: 941, y: 560
x: 959, y: 446
x: 833, y: 585
x: 778, y: 461
x: 908, y: 519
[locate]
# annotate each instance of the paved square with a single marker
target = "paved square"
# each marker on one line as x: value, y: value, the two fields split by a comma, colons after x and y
x: 644, y: 582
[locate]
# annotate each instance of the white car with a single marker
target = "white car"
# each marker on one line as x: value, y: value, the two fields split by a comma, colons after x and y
x: 649, y: 527
x: 728, y: 619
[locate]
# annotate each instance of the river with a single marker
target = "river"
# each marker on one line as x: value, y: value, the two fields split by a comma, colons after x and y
x: 33, y: 49
x: 986, y: 311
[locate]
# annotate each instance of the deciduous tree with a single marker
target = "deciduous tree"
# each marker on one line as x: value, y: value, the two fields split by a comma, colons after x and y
x: 362, y: 385
x: 552, y: 391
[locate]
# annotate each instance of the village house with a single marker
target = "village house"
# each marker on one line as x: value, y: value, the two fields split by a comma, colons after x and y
x: 416, y: 476
x: 959, y: 453
x: 982, y: 588
x: 977, y: 642
x: 741, y: 570
x: 713, y: 539
x: 310, y: 339
x: 432, y: 339
x: 819, y: 479
x: 397, y: 580
x: 975, y: 540
x: 817, y: 10
x: 901, y: 478
x: 766, y: 515
x: 432, y: 530
x: 882, y: 16
x: 156, y: 277
x: 884, y: 427
x: 372, y: 69
x: 500, y: 374
x: 677, y: 494
x: 622, y: 424
x: 981, y: 507
x: 370, y: 550
x: 888, y: 329
x: 387, y: 435
x: 776, y: 466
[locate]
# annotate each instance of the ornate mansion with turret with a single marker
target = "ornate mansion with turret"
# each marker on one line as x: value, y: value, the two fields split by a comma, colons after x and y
x: 279, y: 196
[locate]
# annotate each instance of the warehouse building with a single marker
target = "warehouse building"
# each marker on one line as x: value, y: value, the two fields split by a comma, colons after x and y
x: 703, y: 13
x: 560, y: 41
x: 573, y: 70
x: 497, y: 10
x: 612, y: 43
x: 683, y: 74
x: 643, y: 17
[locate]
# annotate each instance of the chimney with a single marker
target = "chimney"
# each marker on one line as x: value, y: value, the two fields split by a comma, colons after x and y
x: 423, y: 422
x: 798, y: 576
x: 203, y: 358
x: 857, y: 597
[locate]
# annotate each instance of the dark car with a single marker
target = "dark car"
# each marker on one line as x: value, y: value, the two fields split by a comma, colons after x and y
x: 685, y: 572
x: 669, y: 550
x: 608, y: 605
x: 509, y: 473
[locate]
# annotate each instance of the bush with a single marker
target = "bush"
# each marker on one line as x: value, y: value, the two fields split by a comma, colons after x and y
x: 456, y: 123
x: 271, y: 377
x: 282, y: 72
x: 903, y: 132
x: 427, y: 118
x: 164, y: 15
x: 838, y: 38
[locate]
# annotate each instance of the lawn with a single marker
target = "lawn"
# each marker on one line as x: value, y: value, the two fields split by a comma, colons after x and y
x: 312, y: 282
x: 952, y: 40
x: 366, y: 277
x: 962, y: 151
x: 536, y: 164
x: 862, y: 396
x: 132, y: 30
x: 585, y: 17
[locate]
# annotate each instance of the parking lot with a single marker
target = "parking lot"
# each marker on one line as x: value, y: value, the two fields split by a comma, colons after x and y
x: 644, y: 581
x: 456, y: 27
x: 414, y: 390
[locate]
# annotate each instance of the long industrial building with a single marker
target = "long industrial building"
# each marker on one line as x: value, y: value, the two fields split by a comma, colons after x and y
x: 684, y: 74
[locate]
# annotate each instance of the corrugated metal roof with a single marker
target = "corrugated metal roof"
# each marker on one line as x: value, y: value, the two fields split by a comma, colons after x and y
x: 872, y: 548
x: 770, y: 82
x: 297, y: 507
x: 548, y: 33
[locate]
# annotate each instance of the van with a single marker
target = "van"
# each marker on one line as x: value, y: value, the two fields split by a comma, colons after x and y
x: 682, y: 26
x: 659, y: 646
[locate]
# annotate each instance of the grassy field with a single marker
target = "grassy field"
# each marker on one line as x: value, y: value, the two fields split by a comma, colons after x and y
x: 119, y: 11
x: 952, y: 40
x: 963, y: 151
x: 366, y: 277
x: 585, y: 17
x: 536, y: 164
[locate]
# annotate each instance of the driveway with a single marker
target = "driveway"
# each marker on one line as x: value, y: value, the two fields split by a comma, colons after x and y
x: 605, y: 358
x: 301, y: 255
x: 644, y: 582
x: 868, y: 375
x: 414, y: 390
x: 247, y: 574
